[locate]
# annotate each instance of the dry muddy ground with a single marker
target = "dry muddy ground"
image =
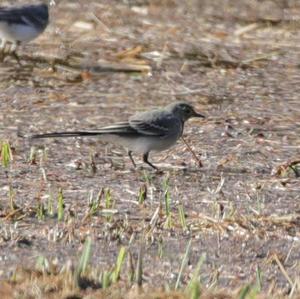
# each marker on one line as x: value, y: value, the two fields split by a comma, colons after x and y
x: 235, y: 61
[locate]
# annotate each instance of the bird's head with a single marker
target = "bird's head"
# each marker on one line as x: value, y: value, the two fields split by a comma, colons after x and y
x: 184, y: 110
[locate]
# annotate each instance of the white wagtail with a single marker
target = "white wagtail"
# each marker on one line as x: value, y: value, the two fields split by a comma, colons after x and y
x: 21, y: 25
x: 154, y: 130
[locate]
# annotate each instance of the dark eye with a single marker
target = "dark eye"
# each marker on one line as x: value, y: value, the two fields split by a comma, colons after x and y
x: 186, y: 109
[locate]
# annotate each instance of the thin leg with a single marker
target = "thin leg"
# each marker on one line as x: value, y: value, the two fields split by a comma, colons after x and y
x: 16, y: 57
x: 6, y: 48
x: 2, y: 45
x: 9, y: 48
x: 2, y: 49
x: 13, y: 47
x: 131, y: 158
x: 13, y: 52
x: 145, y: 159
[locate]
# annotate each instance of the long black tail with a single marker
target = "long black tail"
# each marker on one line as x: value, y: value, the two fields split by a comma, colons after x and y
x: 64, y: 134
x: 120, y: 129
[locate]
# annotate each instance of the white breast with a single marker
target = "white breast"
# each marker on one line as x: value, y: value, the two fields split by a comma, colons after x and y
x: 142, y: 144
x: 17, y: 32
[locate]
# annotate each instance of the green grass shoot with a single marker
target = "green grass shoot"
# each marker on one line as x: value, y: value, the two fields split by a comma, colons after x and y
x: 106, y: 281
x: 60, y: 206
x: 84, y: 259
x: 108, y: 199
x: 6, y: 154
x: 193, y: 289
x: 50, y: 209
x: 11, y: 196
x: 139, y: 267
x: 142, y: 194
x: 167, y: 199
x: 115, y: 276
x: 183, y: 263
x: 182, y: 217
x: 40, y: 210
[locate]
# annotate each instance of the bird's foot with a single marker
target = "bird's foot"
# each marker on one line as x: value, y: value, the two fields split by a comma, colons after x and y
x: 2, y: 56
x: 159, y: 171
x: 16, y: 57
x: 9, y: 49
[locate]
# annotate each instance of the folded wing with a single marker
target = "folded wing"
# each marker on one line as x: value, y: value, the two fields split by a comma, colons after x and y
x: 154, y: 123
x: 27, y: 15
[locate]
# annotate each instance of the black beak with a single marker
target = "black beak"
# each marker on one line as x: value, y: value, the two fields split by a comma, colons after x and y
x: 196, y: 114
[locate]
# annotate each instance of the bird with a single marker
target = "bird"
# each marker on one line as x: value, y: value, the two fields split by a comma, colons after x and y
x: 21, y: 24
x: 153, y: 130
